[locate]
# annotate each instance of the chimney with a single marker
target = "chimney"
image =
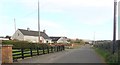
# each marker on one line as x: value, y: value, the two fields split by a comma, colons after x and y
x: 28, y: 29
x: 44, y: 31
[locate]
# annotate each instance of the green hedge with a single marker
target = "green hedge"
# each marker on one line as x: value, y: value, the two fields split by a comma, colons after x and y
x: 109, y: 58
x: 104, y: 49
x: 24, y: 44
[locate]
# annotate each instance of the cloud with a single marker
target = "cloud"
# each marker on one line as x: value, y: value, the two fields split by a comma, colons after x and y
x: 51, y: 24
x: 107, y: 35
x: 33, y: 23
x: 30, y: 4
x: 60, y: 5
x: 53, y: 28
x: 96, y: 21
x: 52, y: 10
x: 6, y: 26
x: 69, y: 3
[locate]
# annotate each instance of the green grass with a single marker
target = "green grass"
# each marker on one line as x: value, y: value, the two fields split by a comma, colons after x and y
x: 108, y: 57
x: 104, y: 54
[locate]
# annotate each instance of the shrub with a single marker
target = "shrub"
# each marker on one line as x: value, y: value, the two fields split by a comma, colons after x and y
x: 24, y: 44
x: 105, y: 49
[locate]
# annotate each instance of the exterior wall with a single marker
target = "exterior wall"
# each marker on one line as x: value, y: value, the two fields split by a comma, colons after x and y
x: 62, y: 40
x: 47, y: 41
x: 18, y: 35
x: 53, y: 42
x: 31, y: 38
x: 35, y: 39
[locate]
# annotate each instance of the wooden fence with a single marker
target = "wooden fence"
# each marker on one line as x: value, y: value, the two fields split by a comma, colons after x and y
x: 21, y: 53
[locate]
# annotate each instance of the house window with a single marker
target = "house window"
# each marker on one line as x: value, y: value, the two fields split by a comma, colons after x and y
x: 18, y: 34
x: 46, y: 41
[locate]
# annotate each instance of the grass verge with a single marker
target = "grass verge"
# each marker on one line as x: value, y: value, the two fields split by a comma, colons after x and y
x: 108, y: 57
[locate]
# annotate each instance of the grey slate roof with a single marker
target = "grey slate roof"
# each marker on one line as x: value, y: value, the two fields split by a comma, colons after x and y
x: 55, y: 38
x: 34, y: 33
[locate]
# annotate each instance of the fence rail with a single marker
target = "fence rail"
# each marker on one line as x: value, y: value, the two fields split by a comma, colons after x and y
x: 21, y: 53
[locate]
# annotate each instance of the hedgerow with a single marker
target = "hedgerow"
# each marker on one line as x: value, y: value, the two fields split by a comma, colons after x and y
x: 24, y: 44
x: 105, y: 50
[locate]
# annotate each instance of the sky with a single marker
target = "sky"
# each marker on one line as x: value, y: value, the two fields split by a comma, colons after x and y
x: 84, y: 19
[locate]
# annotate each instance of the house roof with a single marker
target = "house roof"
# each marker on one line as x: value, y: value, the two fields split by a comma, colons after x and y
x: 34, y: 33
x: 55, y: 38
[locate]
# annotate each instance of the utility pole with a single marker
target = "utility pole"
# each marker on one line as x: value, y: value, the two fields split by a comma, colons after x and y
x: 94, y: 37
x: 114, y: 27
x: 38, y: 24
x: 15, y: 24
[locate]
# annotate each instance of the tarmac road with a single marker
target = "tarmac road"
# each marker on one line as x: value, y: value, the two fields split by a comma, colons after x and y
x: 85, y: 54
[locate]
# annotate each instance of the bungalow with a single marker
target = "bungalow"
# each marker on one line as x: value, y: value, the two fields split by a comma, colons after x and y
x: 3, y: 38
x: 31, y: 36
x: 59, y: 39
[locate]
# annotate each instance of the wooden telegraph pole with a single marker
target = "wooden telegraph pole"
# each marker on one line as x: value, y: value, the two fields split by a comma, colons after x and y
x: 114, y: 27
x: 38, y: 24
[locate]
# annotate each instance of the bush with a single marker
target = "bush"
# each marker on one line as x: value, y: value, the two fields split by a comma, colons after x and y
x: 113, y: 58
x: 24, y: 44
x: 109, y: 58
x: 106, y: 50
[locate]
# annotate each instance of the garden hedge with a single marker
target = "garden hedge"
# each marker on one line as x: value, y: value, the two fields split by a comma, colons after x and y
x: 106, y: 49
x: 24, y: 44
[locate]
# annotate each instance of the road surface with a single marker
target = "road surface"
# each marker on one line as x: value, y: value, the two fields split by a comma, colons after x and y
x: 85, y: 54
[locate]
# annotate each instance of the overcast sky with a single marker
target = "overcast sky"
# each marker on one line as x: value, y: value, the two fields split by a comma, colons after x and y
x: 70, y: 18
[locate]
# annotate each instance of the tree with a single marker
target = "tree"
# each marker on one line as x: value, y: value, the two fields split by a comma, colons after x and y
x: 80, y: 41
x: 9, y: 37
